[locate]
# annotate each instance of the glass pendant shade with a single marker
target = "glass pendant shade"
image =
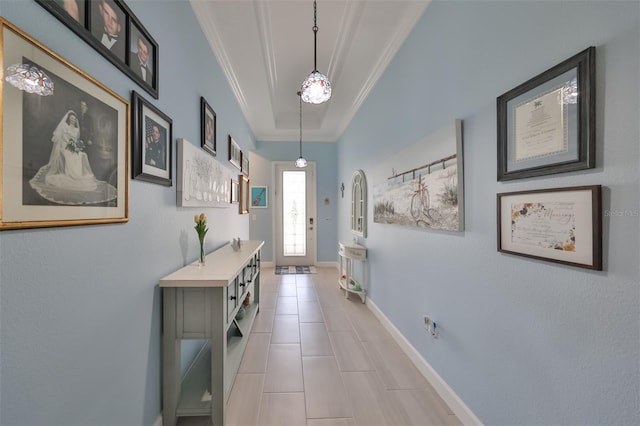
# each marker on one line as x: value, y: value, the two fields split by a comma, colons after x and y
x: 316, y: 88
x: 29, y: 78
x: 301, y: 162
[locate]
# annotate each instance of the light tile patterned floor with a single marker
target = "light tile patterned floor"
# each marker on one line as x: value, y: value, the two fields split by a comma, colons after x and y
x: 315, y: 358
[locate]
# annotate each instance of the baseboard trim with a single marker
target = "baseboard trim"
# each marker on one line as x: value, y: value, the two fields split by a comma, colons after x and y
x: 327, y: 264
x: 268, y: 264
x: 158, y: 421
x: 459, y: 408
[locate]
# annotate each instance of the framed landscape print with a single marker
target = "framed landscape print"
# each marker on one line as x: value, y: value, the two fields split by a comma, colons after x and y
x: 562, y: 225
x: 207, y: 127
x: 65, y: 151
x: 547, y: 124
x: 151, y: 136
x: 111, y: 28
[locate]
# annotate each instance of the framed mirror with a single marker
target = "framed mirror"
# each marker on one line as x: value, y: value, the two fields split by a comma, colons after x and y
x: 359, y: 204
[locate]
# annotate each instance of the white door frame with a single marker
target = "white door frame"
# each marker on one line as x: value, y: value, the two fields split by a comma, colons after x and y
x: 312, y: 211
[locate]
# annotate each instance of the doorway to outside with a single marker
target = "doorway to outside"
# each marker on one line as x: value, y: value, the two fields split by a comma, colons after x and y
x: 295, y: 214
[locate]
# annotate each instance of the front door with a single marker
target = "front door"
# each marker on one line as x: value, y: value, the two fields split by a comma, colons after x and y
x: 295, y: 214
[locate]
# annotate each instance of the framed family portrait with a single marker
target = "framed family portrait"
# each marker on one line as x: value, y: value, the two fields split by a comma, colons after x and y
x: 64, y: 145
x: 207, y: 127
x: 235, y: 155
x: 151, y: 142
x: 243, y: 195
x: 259, y: 197
x: 561, y: 225
x: 111, y: 28
x: 547, y: 124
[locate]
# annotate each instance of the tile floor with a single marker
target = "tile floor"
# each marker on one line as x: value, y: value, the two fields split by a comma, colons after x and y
x: 315, y: 358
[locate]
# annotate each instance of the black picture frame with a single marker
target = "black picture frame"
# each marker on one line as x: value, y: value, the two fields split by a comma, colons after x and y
x: 207, y: 127
x: 151, y: 142
x: 123, y: 53
x: 547, y: 125
x: 560, y: 225
x: 235, y: 154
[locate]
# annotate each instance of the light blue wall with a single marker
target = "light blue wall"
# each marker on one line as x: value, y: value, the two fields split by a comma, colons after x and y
x: 521, y: 341
x: 324, y: 155
x: 80, y: 307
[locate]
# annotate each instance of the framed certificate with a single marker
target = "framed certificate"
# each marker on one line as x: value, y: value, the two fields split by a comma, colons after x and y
x: 547, y: 124
x: 562, y: 225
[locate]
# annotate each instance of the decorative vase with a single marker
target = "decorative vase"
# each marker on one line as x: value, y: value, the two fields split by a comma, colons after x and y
x: 202, y: 257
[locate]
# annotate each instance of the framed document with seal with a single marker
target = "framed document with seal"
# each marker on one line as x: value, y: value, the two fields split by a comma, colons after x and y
x: 547, y: 124
x: 562, y: 225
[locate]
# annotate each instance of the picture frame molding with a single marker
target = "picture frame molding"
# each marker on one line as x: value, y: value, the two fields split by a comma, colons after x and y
x: 138, y: 104
x: 588, y: 225
x: 582, y: 128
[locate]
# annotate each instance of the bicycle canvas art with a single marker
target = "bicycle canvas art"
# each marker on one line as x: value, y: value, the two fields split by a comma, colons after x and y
x: 422, y: 185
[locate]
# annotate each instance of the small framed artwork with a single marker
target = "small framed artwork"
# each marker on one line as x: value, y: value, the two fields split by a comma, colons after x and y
x: 245, y: 163
x: 243, y: 195
x: 207, y: 127
x: 234, y: 191
x: 562, y: 225
x: 151, y: 137
x: 65, y: 148
x: 547, y: 124
x: 259, y: 197
x: 202, y: 180
x: 72, y: 12
x: 235, y: 155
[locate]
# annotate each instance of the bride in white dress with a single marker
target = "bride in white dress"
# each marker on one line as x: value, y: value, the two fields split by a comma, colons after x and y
x: 67, y: 178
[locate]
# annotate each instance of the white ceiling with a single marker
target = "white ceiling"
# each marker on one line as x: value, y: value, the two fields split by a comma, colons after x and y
x: 265, y: 48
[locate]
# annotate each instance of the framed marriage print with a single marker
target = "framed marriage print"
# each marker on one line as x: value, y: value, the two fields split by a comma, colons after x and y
x: 259, y: 197
x: 64, y: 145
x: 562, y: 225
x: 151, y: 142
x: 547, y: 124
x: 207, y: 127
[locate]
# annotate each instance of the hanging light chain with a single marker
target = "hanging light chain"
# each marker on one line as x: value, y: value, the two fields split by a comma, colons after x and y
x: 300, y: 97
x: 315, y: 36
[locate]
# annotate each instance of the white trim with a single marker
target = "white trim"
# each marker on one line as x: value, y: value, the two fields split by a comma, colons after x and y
x: 459, y: 408
x: 268, y: 264
x: 158, y: 421
x: 327, y: 265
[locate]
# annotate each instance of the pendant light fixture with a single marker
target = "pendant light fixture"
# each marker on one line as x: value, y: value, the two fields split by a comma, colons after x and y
x: 301, y: 162
x: 29, y: 78
x: 316, y: 88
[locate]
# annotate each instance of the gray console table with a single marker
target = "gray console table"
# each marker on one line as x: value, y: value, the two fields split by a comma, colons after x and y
x: 202, y: 302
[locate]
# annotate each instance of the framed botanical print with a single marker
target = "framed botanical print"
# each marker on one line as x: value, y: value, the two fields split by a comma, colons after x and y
x: 151, y: 136
x: 207, y: 127
x: 64, y: 146
x: 561, y: 225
